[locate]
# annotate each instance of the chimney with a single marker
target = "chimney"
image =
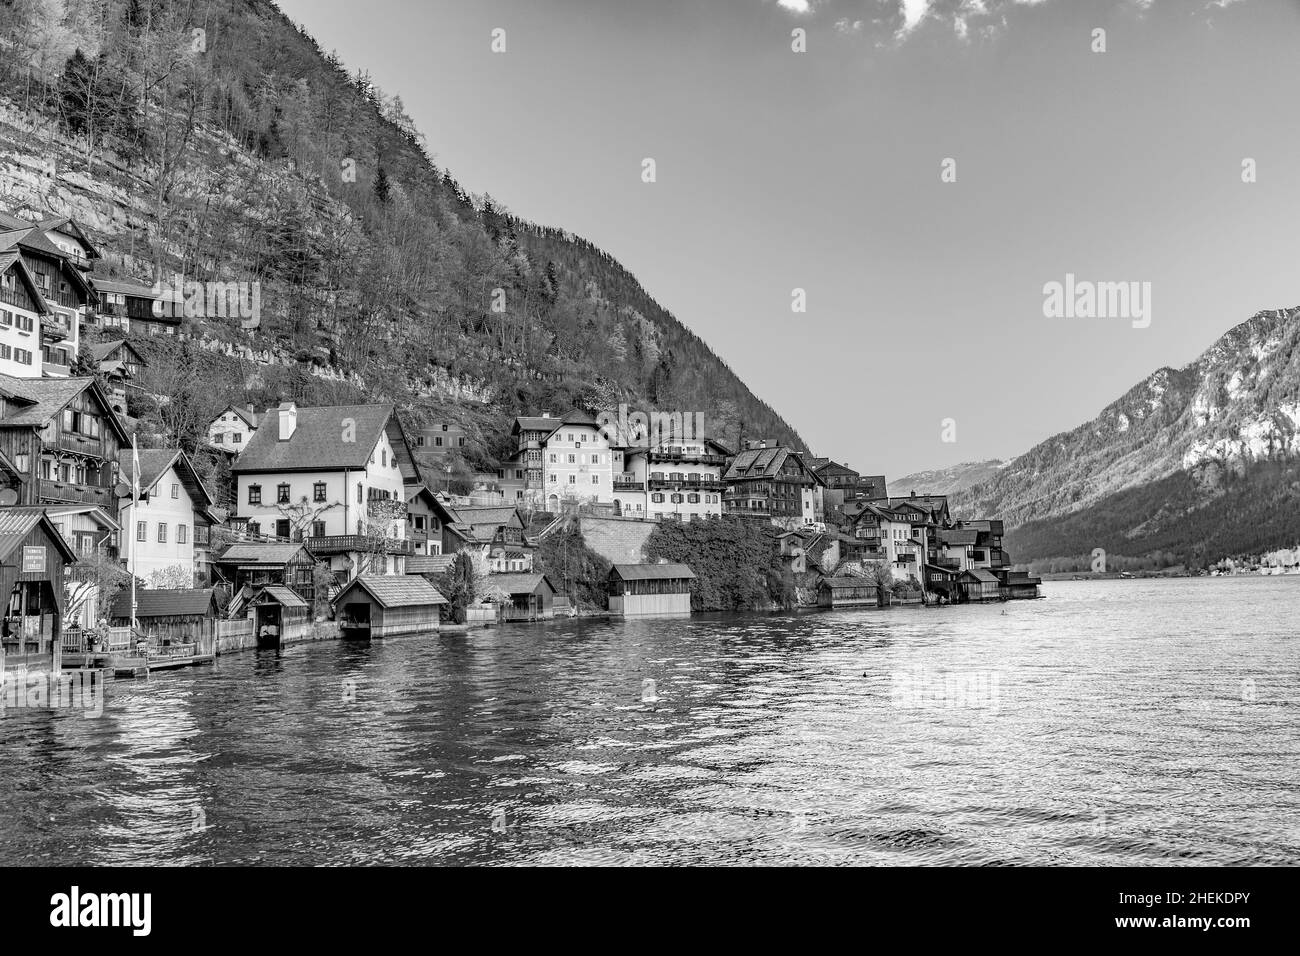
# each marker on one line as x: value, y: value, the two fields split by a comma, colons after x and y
x: 546, y: 414
x: 288, y: 412
x: 762, y: 443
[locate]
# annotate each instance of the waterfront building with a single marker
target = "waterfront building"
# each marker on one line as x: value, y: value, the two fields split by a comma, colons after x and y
x: 334, y: 477
x: 644, y: 590
x: 375, y: 605
x: 232, y: 430
x: 179, y: 616
x: 33, y: 556
x: 255, y: 564
x: 171, y: 519
x: 577, y: 463
x: 678, y: 480
x: 847, y: 591
x: 522, y: 597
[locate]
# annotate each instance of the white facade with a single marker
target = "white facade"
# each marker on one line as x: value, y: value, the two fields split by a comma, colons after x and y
x: 229, y: 432
x: 158, y: 533
x: 577, y: 465
x: 666, y: 488
x: 20, y: 341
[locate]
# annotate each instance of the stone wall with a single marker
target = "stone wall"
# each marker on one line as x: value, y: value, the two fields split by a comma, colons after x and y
x: 617, y: 540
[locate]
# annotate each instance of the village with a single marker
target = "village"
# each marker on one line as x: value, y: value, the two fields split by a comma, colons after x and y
x: 332, y: 523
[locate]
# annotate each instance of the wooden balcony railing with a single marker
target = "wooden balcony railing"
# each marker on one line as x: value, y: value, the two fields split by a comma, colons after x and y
x: 340, y: 543
x: 66, y: 492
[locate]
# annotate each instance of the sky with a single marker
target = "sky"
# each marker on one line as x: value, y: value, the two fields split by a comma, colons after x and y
x: 924, y: 342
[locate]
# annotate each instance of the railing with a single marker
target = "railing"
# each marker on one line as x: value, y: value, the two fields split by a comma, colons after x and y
x: 628, y: 484
x: 69, y: 492
x: 338, y: 543
x: 701, y: 457
x: 54, y: 331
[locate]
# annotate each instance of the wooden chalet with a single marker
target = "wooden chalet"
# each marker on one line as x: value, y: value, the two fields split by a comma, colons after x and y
x: 178, y: 624
x: 63, y: 437
x: 976, y: 586
x: 119, y: 363
x: 771, y: 483
x: 33, y: 556
x: 257, y: 564
x: 376, y: 605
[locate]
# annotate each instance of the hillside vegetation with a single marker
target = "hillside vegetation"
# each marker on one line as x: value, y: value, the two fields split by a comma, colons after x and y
x: 216, y: 140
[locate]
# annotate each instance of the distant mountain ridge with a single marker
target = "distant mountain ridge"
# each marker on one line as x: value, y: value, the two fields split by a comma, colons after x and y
x: 1220, y: 433
x: 950, y: 480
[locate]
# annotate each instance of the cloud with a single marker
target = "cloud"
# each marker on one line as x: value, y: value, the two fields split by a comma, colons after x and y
x: 795, y: 6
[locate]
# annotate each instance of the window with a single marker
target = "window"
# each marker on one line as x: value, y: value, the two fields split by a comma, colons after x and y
x: 22, y: 356
x: 438, y: 442
x: 554, y: 458
x: 318, y: 529
x: 572, y: 459
x: 142, y: 531
x: 693, y: 499
x: 361, y: 495
x: 162, y: 532
x: 182, y: 534
x: 218, y: 438
x: 573, y: 479
x: 419, y: 441
x: 657, y: 498
x: 282, y: 493
x: 254, y: 494
x: 236, y: 438
x: 318, y: 491
x: 595, y: 479
x: 554, y: 478
x: 383, y: 457
x: 176, y: 491
x: 254, y: 529
x: 460, y: 442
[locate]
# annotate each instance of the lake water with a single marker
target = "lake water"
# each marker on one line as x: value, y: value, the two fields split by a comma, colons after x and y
x: 1114, y: 722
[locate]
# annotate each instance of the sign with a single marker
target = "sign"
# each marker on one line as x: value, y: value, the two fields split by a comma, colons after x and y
x: 33, y: 559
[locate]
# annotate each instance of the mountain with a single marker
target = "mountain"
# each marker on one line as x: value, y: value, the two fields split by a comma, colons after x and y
x: 948, y: 481
x: 214, y: 139
x: 1191, y: 465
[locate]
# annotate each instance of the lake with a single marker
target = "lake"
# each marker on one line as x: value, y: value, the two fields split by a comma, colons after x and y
x: 1114, y: 722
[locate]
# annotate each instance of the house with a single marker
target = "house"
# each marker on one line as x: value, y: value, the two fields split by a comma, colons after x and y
x: 978, y: 586
x: 335, y: 477
x: 256, y: 564
x: 56, y: 254
x: 1018, y: 585
x: 522, y: 477
x: 135, y: 309
x: 847, y: 591
x: 643, y: 590
x: 493, y: 532
x: 165, y: 523
x: 934, y: 508
x: 374, y: 605
x: 176, y: 616
x: 22, y: 310
x: 843, y: 484
x: 437, y: 440
x: 231, y: 431
x: 578, y: 466
x: 527, y: 597
x: 33, y: 556
x: 119, y: 363
x: 426, y: 516
x: 63, y: 437
x: 679, y: 480
x: 773, y: 484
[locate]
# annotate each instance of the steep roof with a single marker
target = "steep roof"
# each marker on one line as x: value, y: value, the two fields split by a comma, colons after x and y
x: 763, y: 462
x: 651, y: 572
x: 428, y: 563
x: 319, y: 441
x: 395, y: 590
x: 269, y: 553
x: 49, y: 396
x: 847, y: 581
x: 69, y: 225
x: 156, y: 602
x: 285, y: 597
x: 960, y: 538
x: 984, y: 577
x: 154, y: 463
x: 534, y: 423
x: 526, y: 583
x: 13, y: 260
x: 124, y: 287
x: 17, y: 523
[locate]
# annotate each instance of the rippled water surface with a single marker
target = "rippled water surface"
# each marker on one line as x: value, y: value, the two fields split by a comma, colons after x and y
x: 1114, y: 722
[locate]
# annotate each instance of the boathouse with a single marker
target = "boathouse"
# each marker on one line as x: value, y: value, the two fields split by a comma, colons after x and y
x: 1018, y: 585
x: 375, y: 605
x: 279, y: 615
x: 32, y: 557
x: 846, y: 591
x: 171, y: 618
x: 528, y: 597
x: 641, y: 590
x: 977, y: 585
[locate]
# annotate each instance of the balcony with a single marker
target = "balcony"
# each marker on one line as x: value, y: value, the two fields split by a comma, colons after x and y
x: 67, y: 492
x: 343, y: 543
x: 669, y: 454
x: 52, y: 330
x: 628, y: 484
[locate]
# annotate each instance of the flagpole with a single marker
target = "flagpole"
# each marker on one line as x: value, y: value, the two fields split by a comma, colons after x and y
x: 135, y: 503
